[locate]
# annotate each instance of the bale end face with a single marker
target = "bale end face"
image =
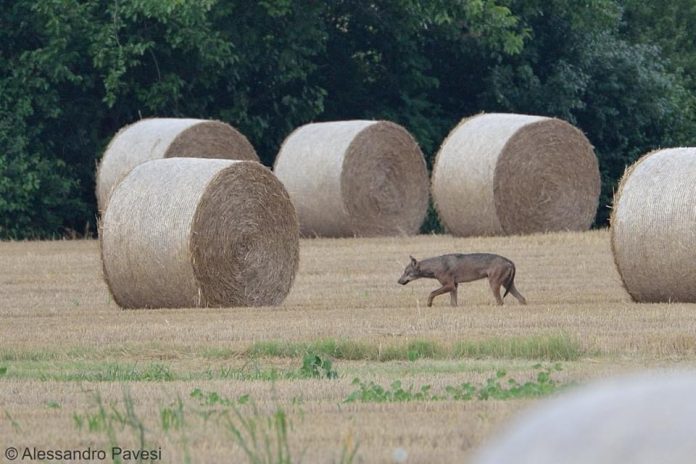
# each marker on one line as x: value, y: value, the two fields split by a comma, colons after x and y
x: 506, y: 174
x: 547, y: 180
x: 384, y: 182
x: 252, y: 259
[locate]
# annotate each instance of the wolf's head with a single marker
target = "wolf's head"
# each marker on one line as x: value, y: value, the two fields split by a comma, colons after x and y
x: 412, y: 272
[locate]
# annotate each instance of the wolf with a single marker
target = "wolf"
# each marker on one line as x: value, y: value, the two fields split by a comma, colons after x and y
x: 453, y: 269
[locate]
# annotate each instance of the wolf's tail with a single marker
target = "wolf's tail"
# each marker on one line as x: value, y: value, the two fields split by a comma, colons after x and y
x: 509, y: 281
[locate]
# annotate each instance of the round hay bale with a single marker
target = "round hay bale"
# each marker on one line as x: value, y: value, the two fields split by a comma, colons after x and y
x: 354, y: 178
x: 653, y: 227
x: 641, y: 419
x: 157, y: 138
x: 505, y: 174
x: 184, y: 232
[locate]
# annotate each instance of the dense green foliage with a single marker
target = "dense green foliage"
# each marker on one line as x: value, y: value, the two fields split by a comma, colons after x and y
x: 73, y: 72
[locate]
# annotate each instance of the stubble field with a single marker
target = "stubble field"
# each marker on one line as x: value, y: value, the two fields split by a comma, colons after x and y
x: 76, y: 372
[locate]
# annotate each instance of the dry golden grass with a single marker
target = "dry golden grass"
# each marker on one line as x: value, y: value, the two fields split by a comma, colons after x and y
x: 58, y: 326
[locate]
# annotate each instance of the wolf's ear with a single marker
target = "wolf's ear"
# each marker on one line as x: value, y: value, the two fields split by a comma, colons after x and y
x: 413, y: 260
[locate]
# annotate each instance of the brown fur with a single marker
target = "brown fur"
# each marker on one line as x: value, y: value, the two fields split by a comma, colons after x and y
x: 453, y: 269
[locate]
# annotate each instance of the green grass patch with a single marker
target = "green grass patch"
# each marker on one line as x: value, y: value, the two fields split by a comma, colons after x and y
x: 89, y: 371
x: 312, y: 366
x: 141, y: 361
x: 543, y: 347
x: 152, y: 351
x: 30, y: 355
x: 553, y: 347
x: 114, y: 372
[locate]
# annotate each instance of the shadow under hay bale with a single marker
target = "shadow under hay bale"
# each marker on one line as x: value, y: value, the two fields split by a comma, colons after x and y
x: 189, y: 232
x: 505, y: 174
x: 354, y: 178
x: 653, y: 227
x: 642, y: 419
x: 157, y: 138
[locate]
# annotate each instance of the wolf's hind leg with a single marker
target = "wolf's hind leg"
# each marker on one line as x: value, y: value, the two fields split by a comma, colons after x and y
x: 453, y: 295
x: 495, y: 288
x: 517, y: 294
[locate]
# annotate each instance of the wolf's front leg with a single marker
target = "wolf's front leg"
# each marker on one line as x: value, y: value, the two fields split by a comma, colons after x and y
x: 444, y: 289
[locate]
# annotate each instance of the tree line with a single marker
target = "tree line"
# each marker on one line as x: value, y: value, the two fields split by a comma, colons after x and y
x: 72, y: 72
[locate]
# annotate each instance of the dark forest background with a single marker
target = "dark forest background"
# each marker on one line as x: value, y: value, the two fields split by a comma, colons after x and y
x: 73, y: 72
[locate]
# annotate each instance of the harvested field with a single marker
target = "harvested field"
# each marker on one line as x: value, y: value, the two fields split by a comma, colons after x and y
x: 179, y: 374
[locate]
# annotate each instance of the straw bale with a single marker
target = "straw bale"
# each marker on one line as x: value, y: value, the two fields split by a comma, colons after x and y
x: 191, y: 232
x: 653, y: 227
x: 641, y: 419
x: 158, y: 138
x: 504, y: 174
x: 354, y: 178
